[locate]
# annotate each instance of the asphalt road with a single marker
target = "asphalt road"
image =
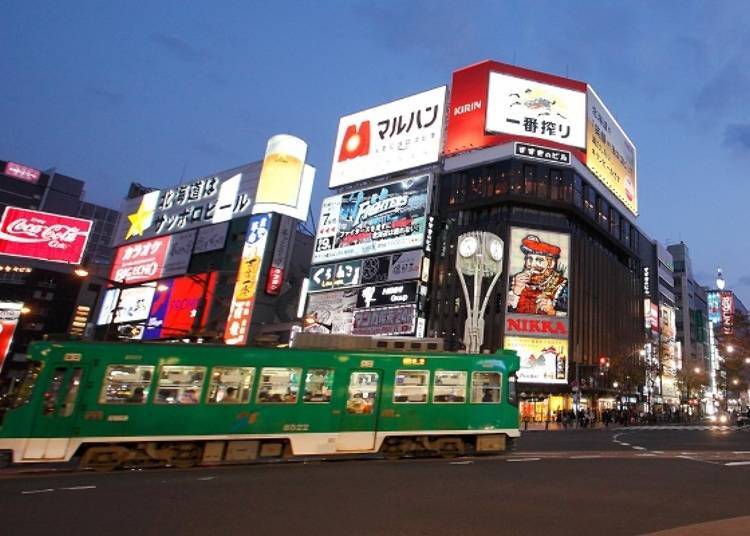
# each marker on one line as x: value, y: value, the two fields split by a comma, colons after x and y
x: 593, y: 482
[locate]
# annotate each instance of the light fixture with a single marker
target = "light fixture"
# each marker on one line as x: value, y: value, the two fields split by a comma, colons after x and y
x: 81, y: 271
x: 697, y: 370
x: 615, y: 385
x: 730, y: 348
x: 161, y: 287
x: 720, y: 283
x: 25, y: 310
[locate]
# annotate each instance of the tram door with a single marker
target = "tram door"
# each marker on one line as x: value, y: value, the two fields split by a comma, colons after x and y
x: 54, y: 424
x: 358, y: 424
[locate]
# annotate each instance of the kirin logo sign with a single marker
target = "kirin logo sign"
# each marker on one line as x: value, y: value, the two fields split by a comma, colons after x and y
x: 41, y: 235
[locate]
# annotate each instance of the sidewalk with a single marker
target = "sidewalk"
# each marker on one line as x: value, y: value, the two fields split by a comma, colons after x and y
x: 556, y: 427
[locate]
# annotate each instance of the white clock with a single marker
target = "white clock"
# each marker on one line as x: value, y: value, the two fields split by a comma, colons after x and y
x: 468, y: 246
x: 496, y: 250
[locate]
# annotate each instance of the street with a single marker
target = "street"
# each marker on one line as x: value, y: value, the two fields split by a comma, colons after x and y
x: 618, y: 481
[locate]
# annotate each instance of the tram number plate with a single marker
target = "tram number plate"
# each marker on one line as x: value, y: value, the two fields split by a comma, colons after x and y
x: 296, y: 427
x: 366, y: 363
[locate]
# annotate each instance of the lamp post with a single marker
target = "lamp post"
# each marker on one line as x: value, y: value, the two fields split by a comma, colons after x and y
x: 480, y: 255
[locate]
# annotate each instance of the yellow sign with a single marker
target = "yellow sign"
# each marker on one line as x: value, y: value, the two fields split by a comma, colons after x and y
x: 414, y: 361
x: 610, y: 155
x: 140, y: 220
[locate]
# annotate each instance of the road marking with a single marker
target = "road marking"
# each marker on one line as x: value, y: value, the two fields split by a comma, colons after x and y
x: 29, y: 492
x: 467, y: 462
x: 737, y: 463
x: 524, y: 459
x: 685, y: 457
x: 207, y: 478
x: 75, y: 488
x: 639, y: 448
x: 658, y: 451
x: 585, y: 457
x: 624, y: 444
x: 646, y: 454
x: 741, y: 452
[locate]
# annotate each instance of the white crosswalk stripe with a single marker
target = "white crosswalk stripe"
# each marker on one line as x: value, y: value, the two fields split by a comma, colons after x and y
x: 687, y: 427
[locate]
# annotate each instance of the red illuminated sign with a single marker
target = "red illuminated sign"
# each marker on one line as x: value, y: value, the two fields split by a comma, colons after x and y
x: 23, y: 173
x: 468, y: 107
x: 356, y: 141
x: 41, y: 235
x: 9, y: 314
x: 274, y: 281
x: 143, y: 261
x: 535, y: 326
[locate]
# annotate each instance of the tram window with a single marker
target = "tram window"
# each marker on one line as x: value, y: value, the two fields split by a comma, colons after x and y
x: 318, y: 385
x: 74, y: 384
x: 363, y: 391
x: 410, y: 386
x: 450, y: 387
x: 231, y: 385
x: 279, y: 385
x: 126, y: 384
x: 27, y: 386
x: 485, y: 387
x: 180, y: 384
x: 51, y: 394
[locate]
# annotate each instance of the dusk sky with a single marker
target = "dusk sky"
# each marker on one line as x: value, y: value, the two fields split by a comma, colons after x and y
x: 154, y: 91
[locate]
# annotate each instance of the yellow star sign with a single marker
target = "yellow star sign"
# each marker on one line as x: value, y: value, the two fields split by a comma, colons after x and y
x: 139, y: 221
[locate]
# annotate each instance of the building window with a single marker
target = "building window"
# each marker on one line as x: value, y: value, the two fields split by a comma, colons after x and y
x: 529, y: 177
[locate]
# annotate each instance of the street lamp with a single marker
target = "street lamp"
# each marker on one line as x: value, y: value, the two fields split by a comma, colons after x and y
x: 25, y: 310
x: 480, y: 255
x: 730, y: 348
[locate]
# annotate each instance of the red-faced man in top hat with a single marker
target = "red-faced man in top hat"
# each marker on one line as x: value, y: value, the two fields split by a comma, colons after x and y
x: 540, y: 288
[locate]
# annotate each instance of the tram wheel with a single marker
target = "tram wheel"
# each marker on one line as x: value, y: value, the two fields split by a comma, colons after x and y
x: 102, y: 459
x: 186, y: 456
x: 450, y: 447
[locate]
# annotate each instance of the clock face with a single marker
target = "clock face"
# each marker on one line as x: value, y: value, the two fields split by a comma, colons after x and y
x: 496, y: 250
x: 468, y: 246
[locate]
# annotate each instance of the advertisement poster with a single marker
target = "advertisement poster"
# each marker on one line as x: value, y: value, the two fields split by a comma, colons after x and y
x: 387, y: 294
x: 538, y: 277
x: 175, y: 309
x: 522, y: 107
x: 330, y: 312
x: 667, y: 341
x: 139, y: 262
x: 726, y: 309
x: 10, y: 312
x: 211, y: 238
x: 714, y: 307
x: 542, y: 360
x: 610, y: 155
x: 397, y: 320
x: 383, y: 218
x: 399, y: 135
x: 246, y: 286
x: 40, y: 235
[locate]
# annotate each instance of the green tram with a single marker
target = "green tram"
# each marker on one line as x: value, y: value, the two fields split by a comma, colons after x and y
x: 124, y: 404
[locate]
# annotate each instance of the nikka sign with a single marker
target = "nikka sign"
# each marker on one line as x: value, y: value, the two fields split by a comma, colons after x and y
x: 40, y: 235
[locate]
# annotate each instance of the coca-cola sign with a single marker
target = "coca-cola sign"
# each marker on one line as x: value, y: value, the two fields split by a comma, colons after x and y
x: 41, y: 235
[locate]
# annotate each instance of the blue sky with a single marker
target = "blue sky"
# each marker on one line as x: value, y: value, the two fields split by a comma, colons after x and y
x: 154, y: 91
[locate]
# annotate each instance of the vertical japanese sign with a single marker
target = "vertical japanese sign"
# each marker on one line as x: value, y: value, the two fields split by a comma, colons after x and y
x: 714, y: 307
x: 610, y: 155
x: 284, y: 240
x: 246, y: 286
x: 10, y: 312
x: 726, y: 305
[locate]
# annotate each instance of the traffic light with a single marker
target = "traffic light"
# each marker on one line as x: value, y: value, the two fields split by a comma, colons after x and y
x: 604, y: 364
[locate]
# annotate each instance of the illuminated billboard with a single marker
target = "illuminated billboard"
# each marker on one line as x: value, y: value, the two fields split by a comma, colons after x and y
x: 206, y: 201
x: 399, y: 266
x: 286, y: 182
x: 470, y: 105
x: 714, y: 307
x: 21, y: 172
x: 177, y: 305
x: 522, y: 107
x: 129, y: 305
x: 397, y: 320
x: 667, y: 338
x: 380, y: 219
x: 610, y: 155
x: 399, y: 135
x: 538, y: 272
x: 164, y: 256
x: 246, y: 285
x: 10, y: 312
x: 40, y: 235
x: 542, y: 360
x: 330, y: 312
x: 726, y: 310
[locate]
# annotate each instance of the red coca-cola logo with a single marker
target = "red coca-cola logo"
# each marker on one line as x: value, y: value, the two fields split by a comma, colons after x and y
x: 25, y: 230
x: 41, y: 235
